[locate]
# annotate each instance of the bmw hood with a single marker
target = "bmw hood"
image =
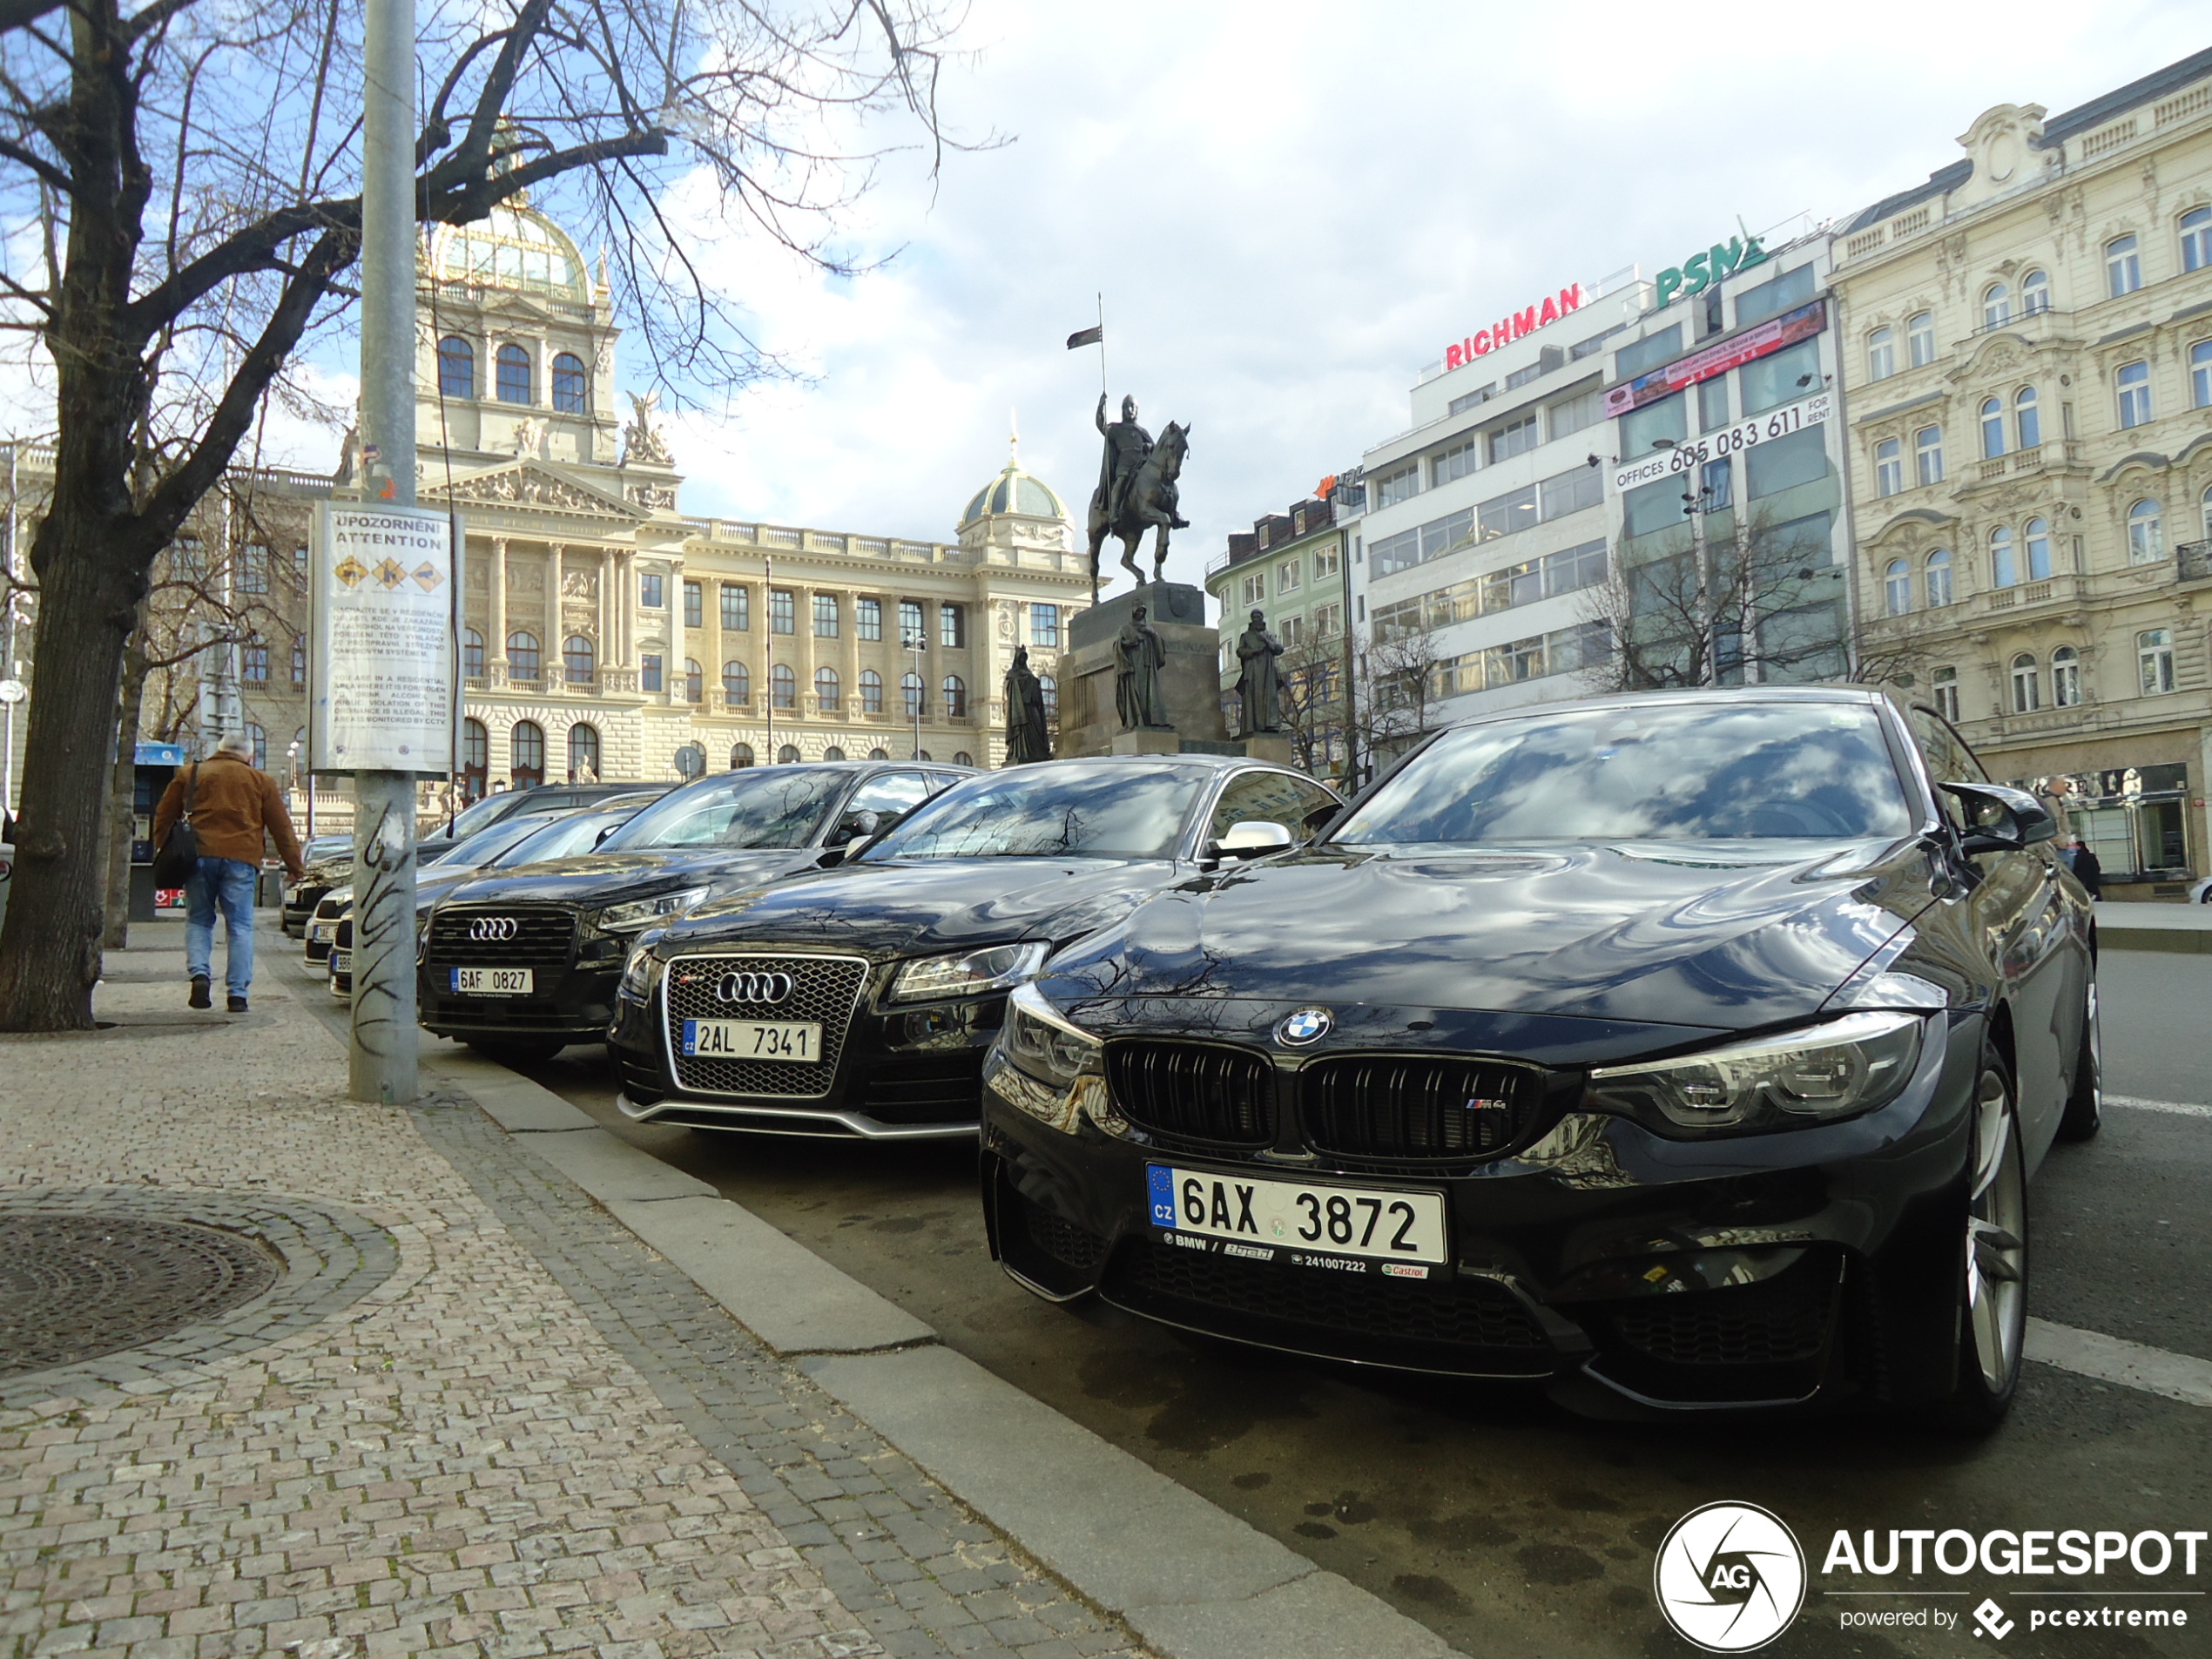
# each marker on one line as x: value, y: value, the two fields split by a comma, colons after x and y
x: 1718, y: 936
x: 910, y: 909
x: 592, y: 879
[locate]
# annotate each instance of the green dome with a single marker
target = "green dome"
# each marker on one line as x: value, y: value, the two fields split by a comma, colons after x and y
x: 1016, y: 492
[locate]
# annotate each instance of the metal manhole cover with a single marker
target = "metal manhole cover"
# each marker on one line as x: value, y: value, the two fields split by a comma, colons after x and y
x: 74, y: 1287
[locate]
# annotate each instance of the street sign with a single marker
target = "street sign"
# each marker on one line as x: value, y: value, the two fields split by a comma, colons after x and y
x: 382, y: 651
x: 13, y: 690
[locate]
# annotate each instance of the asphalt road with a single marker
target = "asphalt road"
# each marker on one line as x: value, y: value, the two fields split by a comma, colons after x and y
x: 1514, y: 1528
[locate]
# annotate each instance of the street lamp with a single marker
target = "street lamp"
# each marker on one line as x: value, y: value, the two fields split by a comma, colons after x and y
x: 1697, y: 501
x: 916, y: 640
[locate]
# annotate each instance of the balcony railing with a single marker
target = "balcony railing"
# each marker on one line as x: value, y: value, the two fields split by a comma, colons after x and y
x: 2193, y: 561
x: 2051, y: 590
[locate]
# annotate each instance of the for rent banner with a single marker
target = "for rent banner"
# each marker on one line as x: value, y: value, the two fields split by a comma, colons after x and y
x: 381, y: 653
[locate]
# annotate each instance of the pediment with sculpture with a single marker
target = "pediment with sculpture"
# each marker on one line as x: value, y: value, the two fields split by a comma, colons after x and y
x: 530, y: 483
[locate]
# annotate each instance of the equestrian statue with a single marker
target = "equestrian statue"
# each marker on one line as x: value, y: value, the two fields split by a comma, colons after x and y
x: 1137, y: 489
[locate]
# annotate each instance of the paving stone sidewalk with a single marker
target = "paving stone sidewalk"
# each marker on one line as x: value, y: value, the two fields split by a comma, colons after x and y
x: 531, y: 1435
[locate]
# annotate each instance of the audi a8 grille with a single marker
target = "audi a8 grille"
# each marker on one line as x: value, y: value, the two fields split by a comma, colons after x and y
x: 505, y: 936
x: 1204, y: 1092
x: 824, y: 990
x: 1402, y: 1108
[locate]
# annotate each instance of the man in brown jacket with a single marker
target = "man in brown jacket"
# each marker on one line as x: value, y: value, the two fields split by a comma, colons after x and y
x: 232, y: 806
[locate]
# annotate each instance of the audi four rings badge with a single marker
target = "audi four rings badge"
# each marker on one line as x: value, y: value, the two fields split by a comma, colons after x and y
x: 491, y: 927
x: 769, y: 988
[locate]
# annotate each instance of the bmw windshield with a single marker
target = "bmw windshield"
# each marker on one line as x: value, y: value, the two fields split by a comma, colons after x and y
x: 1052, y: 810
x: 759, y: 806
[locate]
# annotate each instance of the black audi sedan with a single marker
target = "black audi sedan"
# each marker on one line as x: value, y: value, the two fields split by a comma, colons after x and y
x: 520, y: 963
x: 860, y: 1001
x: 1688, y: 1051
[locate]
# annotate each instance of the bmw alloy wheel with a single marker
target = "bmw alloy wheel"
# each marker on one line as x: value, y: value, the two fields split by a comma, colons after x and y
x: 1996, y: 1236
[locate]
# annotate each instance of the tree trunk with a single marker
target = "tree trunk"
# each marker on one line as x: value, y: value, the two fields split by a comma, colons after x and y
x: 123, y: 792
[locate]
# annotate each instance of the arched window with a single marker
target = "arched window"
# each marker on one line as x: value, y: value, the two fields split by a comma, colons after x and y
x: 584, y: 753
x: 2027, y: 695
x: 2039, y: 550
x: 2196, y: 238
x: 1996, y: 305
x: 2204, y: 514
x: 2035, y: 293
x: 569, y: 384
x: 456, y: 367
x: 1051, y: 688
x: 955, y: 693
x: 472, y: 654
x: 475, y: 759
x: 740, y: 756
x: 2154, y: 661
x: 828, y: 692
x: 514, y: 375
x: 832, y: 753
x: 1919, y: 339
x: 1992, y: 428
x: 1889, y: 467
x: 1939, y: 578
x: 1928, y: 454
x: 522, y: 656
x: 787, y: 756
x: 694, y: 681
x: 782, y: 687
x: 2003, y: 569
x: 2027, y: 418
x: 737, y: 684
x: 2200, y: 375
x: 2123, y: 267
x: 1897, y: 587
x: 1881, y: 355
x: 253, y: 663
x: 870, y: 691
x: 576, y: 659
x: 961, y: 758
x: 2146, y: 533
x: 925, y: 755
x: 1944, y: 683
x: 2132, y: 383
x: 298, y: 660
x: 879, y: 754
x: 910, y: 689
x: 526, y: 755
x: 2066, y: 677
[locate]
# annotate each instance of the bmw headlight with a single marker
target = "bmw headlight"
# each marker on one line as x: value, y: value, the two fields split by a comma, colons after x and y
x: 965, y: 973
x: 621, y: 918
x: 637, y: 983
x: 1046, y: 1064
x: 1836, y: 1069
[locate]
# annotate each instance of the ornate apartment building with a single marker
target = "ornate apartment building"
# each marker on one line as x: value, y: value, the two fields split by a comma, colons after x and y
x: 2027, y: 345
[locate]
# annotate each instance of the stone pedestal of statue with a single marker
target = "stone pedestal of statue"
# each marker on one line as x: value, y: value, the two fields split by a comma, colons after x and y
x: 1269, y: 745
x: 1189, y: 682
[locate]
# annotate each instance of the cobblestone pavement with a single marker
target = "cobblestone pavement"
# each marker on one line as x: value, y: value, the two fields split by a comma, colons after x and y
x: 532, y: 1436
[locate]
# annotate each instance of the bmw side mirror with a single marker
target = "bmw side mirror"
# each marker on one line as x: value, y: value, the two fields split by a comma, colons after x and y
x: 2001, y: 819
x: 1254, y: 839
x: 603, y: 835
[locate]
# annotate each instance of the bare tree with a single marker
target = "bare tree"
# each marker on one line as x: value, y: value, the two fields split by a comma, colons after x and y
x: 1314, y: 705
x: 179, y: 209
x: 1400, y: 680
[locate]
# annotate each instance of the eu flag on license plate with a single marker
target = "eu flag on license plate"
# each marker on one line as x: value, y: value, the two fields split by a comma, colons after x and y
x: 691, y: 1036
x: 1161, y: 1181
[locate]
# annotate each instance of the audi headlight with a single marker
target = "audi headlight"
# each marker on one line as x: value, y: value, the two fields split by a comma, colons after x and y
x: 621, y: 918
x: 1815, y: 1076
x: 968, y: 971
x: 1048, y: 1065
x: 638, y: 972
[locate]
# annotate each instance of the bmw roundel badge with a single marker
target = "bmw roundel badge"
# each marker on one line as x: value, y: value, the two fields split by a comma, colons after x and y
x: 1305, y: 1026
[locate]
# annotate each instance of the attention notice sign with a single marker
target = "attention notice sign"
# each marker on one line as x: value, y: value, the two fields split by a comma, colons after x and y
x: 381, y: 653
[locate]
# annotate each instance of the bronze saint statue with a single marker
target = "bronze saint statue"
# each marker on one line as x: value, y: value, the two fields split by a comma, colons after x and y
x: 1137, y: 489
x: 1259, y: 688
x: 1027, y: 739
x: 1139, y: 655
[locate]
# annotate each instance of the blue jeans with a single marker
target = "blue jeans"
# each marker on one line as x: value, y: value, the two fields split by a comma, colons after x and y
x: 228, y: 883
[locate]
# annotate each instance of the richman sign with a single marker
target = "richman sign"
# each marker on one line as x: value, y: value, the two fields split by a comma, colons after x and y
x: 1514, y: 325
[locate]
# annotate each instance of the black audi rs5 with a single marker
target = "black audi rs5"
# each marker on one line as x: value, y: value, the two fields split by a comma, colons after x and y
x: 1688, y: 1051
x: 857, y: 1002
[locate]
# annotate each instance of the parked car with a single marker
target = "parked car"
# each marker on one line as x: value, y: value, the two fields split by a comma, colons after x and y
x: 520, y: 964
x: 1691, y: 1050
x: 539, y: 798
x: 860, y: 1001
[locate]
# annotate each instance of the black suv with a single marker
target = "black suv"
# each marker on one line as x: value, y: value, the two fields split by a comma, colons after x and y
x: 520, y: 963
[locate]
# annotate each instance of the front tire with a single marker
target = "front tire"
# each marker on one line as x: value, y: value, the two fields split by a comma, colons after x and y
x: 2084, y: 1107
x: 1990, y: 1269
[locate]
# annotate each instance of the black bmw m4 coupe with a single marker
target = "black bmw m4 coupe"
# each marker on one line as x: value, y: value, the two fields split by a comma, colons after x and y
x: 1690, y: 1051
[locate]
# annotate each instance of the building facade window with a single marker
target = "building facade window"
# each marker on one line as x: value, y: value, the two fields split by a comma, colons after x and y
x: 1051, y: 688
x: 2028, y: 418
x: 253, y: 663
x: 2200, y: 375
x: 570, y: 390
x: 649, y: 671
x: 475, y: 759
x: 694, y: 681
x: 1455, y: 463
x: 1327, y: 560
x: 2038, y: 536
x: 2123, y: 267
x: 954, y: 691
x: 912, y: 630
x: 652, y: 591
x: 736, y: 609
x: 522, y: 656
x: 1919, y: 339
x: 1928, y: 454
x: 783, y: 611
x: 1889, y: 467
x: 832, y: 753
x: 2004, y: 568
x: 826, y: 623
x: 870, y: 691
x: 788, y: 755
x: 694, y: 605
x: 952, y: 627
x: 737, y: 684
x: 254, y: 569
x: 1992, y: 428
x: 782, y: 687
x: 584, y: 753
x: 1288, y: 578
x: 910, y: 691
x: 2196, y: 238
x: 514, y: 383
x: 1255, y: 589
x: 2035, y: 293
x: 576, y: 659
x: 1881, y: 353
x: 1044, y: 625
x: 472, y: 654
x: 1401, y: 485
x: 260, y: 741
x: 2027, y: 693
x: 2204, y: 515
x: 1517, y: 437
x: 526, y: 755
x: 1944, y: 683
x: 2132, y: 383
x: 2146, y: 533
x: 299, y: 659
x: 456, y: 367
x: 1938, y: 572
x: 829, y: 693
x: 740, y: 756
x: 868, y: 619
x: 1897, y: 587
x: 2154, y: 661
x: 1996, y: 306
x: 2065, y: 677
x: 1328, y: 621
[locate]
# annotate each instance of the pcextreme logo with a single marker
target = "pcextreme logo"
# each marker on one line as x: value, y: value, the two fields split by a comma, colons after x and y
x: 1730, y: 1577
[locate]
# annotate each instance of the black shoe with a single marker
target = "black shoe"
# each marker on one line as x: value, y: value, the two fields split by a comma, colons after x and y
x: 238, y: 1005
x: 199, y: 999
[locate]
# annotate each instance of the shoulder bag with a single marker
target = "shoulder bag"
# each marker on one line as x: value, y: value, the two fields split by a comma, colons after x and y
x: 180, y: 855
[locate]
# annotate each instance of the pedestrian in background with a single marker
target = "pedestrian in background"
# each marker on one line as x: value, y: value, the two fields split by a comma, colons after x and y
x: 233, y: 807
x: 2087, y: 870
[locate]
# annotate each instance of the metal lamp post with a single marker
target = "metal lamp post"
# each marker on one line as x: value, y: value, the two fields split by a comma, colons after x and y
x: 1695, y: 504
x: 917, y: 642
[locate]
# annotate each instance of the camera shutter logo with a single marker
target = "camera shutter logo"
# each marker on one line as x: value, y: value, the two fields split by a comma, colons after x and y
x: 491, y: 929
x: 765, y: 989
x: 1730, y: 1577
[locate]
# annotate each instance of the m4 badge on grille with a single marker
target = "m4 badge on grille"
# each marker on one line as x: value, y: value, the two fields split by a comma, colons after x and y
x: 1479, y: 1103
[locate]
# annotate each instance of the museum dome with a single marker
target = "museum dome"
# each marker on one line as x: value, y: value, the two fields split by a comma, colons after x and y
x: 511, y: 247
x: 1015, y: 492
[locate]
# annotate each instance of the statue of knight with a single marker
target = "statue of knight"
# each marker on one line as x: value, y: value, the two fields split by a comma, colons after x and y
x: 1137, y: 489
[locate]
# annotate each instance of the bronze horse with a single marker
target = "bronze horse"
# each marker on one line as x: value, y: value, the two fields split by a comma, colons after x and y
x: 1150, y: 500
